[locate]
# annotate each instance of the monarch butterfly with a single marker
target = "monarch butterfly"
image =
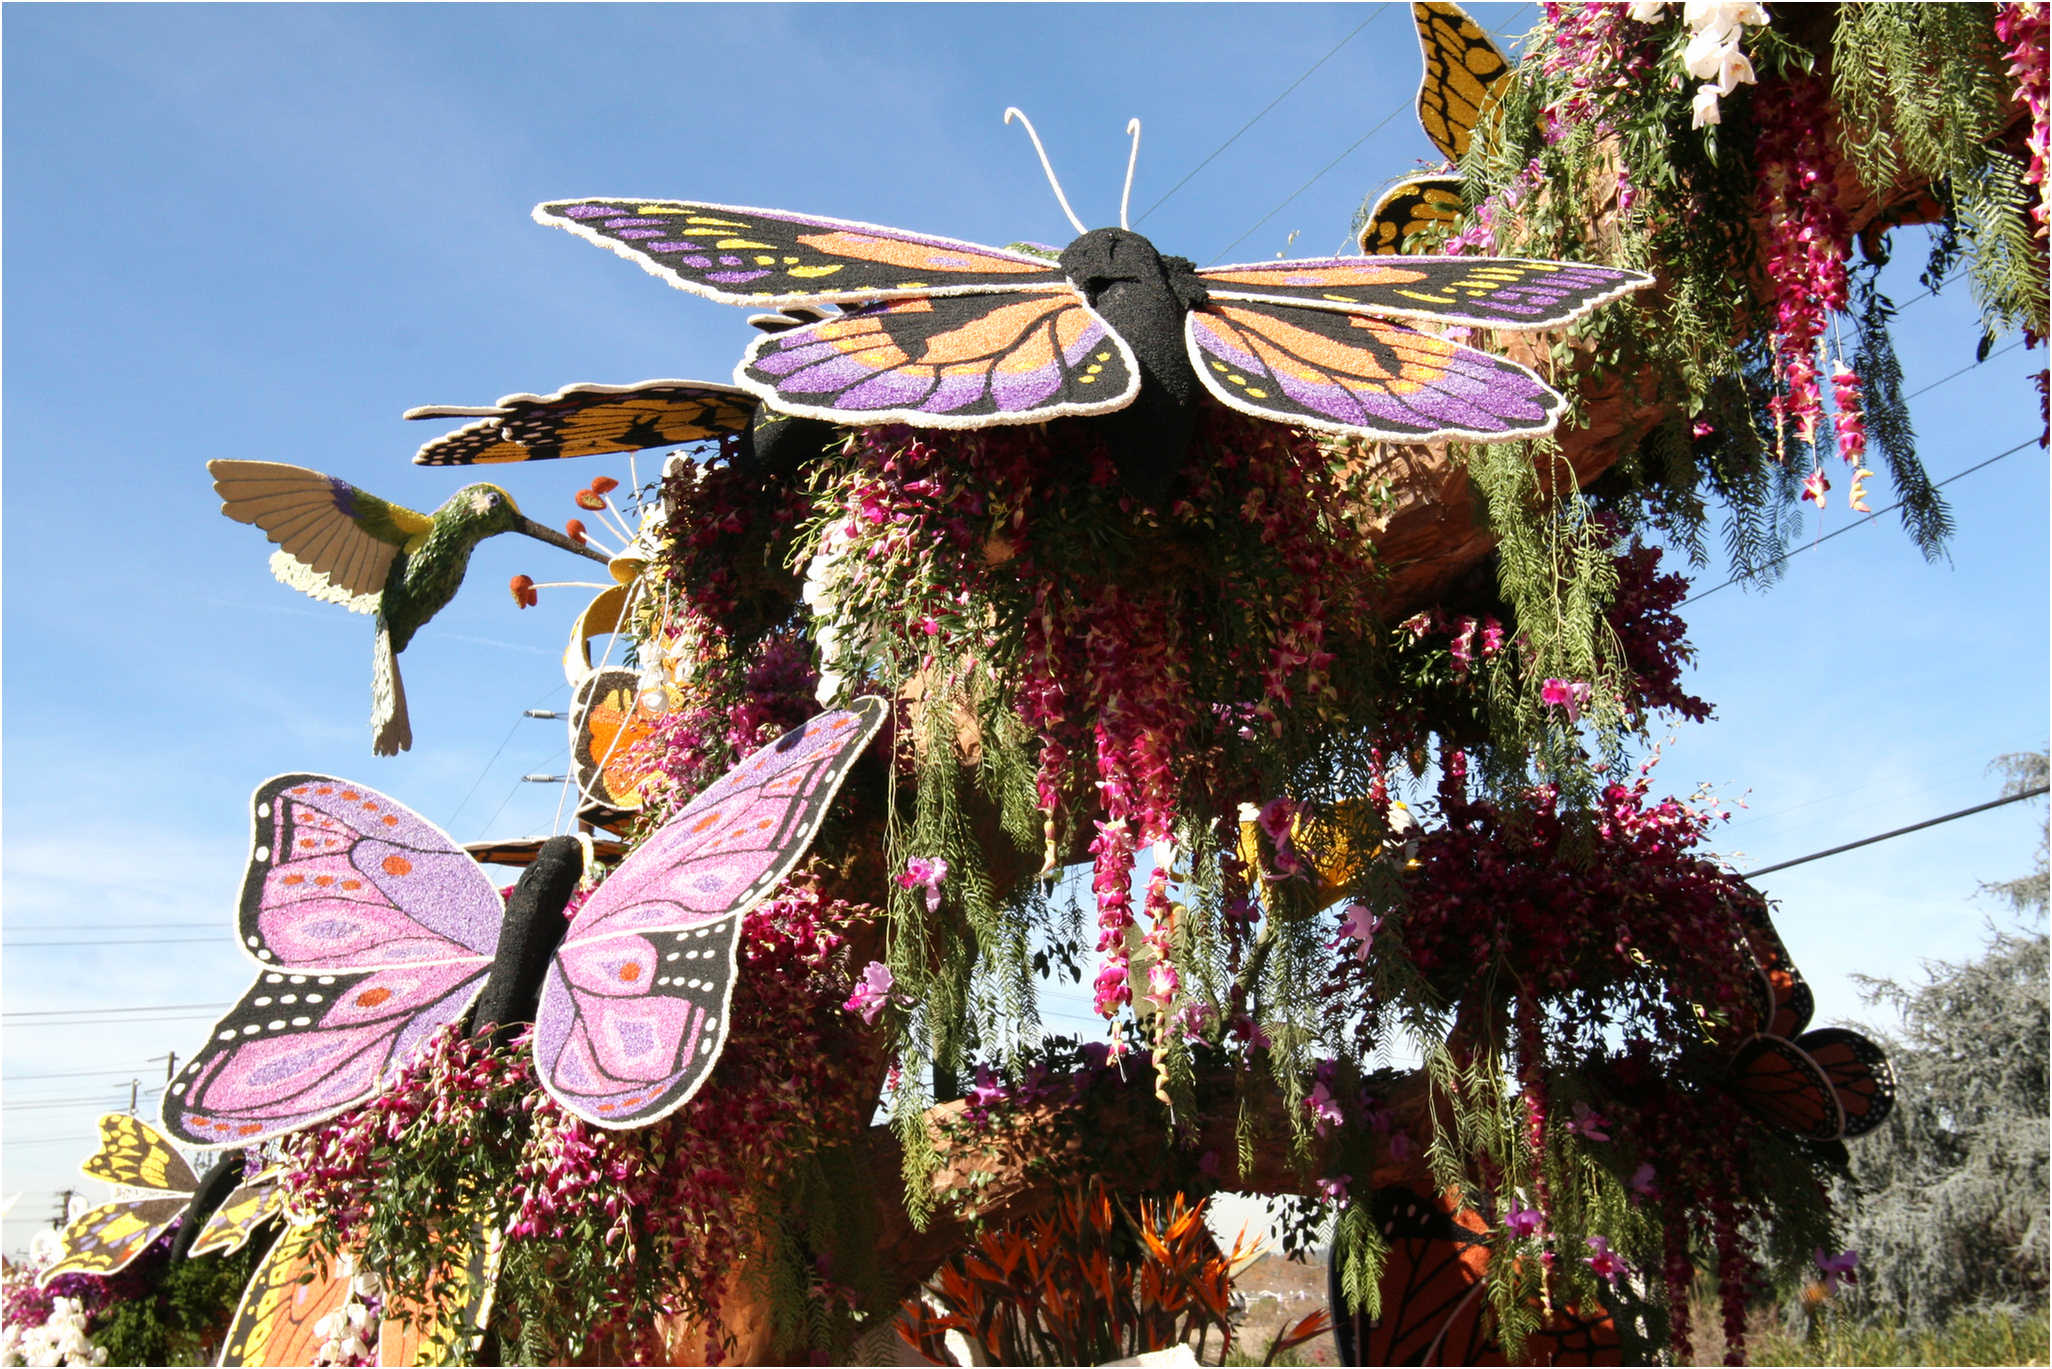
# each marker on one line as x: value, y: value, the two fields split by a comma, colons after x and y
x: 1435, y: 1306
x: 1822, y: 1085
x: 940, y: 333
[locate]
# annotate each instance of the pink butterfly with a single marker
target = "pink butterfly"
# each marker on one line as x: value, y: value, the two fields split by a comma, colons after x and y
x: 375, y: 930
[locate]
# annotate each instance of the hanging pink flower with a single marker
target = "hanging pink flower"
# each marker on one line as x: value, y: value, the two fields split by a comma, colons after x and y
x: 1588, y: 1123
x: 1524, y: 1221
x: 1358, y: 925
x: 1324, y: 1109
x: 1642, y: 1181
x: 921, y: 872
x: 1334, y: 1190
x: 1814, y: 486
x: 872, y: 992
x: 1604, y: 1261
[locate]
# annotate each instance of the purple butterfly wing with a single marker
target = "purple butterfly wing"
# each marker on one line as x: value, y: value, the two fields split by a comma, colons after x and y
x: 633, y: 1012
x: 1350, y: 373
x: 738, y: 255
x: 374, y: 930
x: 954, y: 362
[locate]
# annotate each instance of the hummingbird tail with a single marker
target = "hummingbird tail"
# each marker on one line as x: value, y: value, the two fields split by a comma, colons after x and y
x: 391, y: 731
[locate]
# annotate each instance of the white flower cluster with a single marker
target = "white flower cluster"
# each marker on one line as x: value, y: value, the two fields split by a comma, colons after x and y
x: 840, y: 658
x: 349, y: 1336
x: 1714, y: 55
x: 60, y: 1340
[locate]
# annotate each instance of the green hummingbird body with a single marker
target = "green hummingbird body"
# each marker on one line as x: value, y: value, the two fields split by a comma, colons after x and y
x: 343, y: 545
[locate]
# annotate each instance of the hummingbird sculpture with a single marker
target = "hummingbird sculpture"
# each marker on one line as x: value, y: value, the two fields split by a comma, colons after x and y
x: 344, y: 546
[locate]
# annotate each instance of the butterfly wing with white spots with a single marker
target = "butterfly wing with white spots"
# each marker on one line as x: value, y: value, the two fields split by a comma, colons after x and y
x: 373, y: 929
x: 634, y: 1010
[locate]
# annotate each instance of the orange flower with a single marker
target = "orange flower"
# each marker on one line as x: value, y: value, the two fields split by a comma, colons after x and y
x: 523, y: 591
x: 575, y: 527
x: 604, y: 484
x: 590, y: 499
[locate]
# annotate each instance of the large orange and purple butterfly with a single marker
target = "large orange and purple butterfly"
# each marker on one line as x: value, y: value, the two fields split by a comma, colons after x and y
x: 374, y: 930
x: 1434, y: 1298
x: 1822, y: 1085
x: 939, y: 333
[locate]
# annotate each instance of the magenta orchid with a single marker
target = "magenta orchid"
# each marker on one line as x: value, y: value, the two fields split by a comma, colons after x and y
x: 1838, y: 1268
x: 1522, y: 1222
x: 1603, y: 1261
x: 923, y: 873
x: 872, y: 992
x: 1358, y: 924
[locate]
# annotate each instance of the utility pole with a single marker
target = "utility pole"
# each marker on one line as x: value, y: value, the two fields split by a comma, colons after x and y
x: 134, y: 1093
x: 63, y: 1209
x: 170, y: 1064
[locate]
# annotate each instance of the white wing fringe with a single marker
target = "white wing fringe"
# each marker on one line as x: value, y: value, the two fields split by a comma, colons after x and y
x: 295, y: 573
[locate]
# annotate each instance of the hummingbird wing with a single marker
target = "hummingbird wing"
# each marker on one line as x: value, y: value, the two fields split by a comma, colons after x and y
x: 337, y: 542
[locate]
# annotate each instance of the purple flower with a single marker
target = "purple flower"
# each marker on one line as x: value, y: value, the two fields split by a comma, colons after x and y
x: 1325, y: 1110
x: 1588, y: 1123
x: 1334, y: 1190
x: 1360, y: 925
x: 1604, y: 1261
x: 1278, y: 819
x: 923, y: 873
x: 1642, y: 1181
x: 1837, y: 1268
x: 1524, y: 1221
x: 871, y: 993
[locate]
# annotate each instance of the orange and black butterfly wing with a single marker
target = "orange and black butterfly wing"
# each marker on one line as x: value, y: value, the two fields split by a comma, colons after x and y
x: 1781, y: 1084
x: 952, y: 362
x: 1431, y: 1290
x: 587, y: 420
x: 1860, y: 1076
x: 412, y: 1335
x: 738, y: 255
x: 292, y: 1289
x: 1426, y: 207
x: 1349, y: 373
x: 1464, y: 73
x: 1485, y: 292
x: 1788, y: 1002
x: 607, y: 723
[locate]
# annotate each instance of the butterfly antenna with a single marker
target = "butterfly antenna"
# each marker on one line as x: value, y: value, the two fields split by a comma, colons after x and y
x: 1061, y: 199
x: 1132, y: 160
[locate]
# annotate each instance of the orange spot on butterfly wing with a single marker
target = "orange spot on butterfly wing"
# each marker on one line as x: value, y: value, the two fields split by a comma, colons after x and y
x: 371, y: 998
x: 396, y: 866
x: 914, y: 256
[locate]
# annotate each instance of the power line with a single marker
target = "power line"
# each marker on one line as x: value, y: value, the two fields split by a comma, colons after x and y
x: 111, y: 926
x: 1849, y: 527
x: 153, y: 1007
x: 1263, y: 114
x: 1900, y: 831
x: 1308, y: 184
x: 64, y: 1074
x: 221, y: 933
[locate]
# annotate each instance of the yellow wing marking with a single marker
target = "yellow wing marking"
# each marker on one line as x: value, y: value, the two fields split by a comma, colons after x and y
x: 1463, y: 73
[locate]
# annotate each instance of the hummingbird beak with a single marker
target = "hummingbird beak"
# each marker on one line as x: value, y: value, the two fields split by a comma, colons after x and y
x: 543, y: 533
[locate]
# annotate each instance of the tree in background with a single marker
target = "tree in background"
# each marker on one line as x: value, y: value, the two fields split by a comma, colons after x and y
x: 1955, y: 1197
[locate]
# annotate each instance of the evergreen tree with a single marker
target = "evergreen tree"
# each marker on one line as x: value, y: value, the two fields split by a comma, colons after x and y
x: 1951, y: 1200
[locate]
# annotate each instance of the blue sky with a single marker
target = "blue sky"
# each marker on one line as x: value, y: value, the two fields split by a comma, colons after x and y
x: 263, y: 232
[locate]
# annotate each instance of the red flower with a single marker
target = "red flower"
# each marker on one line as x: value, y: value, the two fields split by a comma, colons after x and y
x: 523, y: 591
x: 590, y: 499
x: 575, y: 527
x: 604, y: 485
